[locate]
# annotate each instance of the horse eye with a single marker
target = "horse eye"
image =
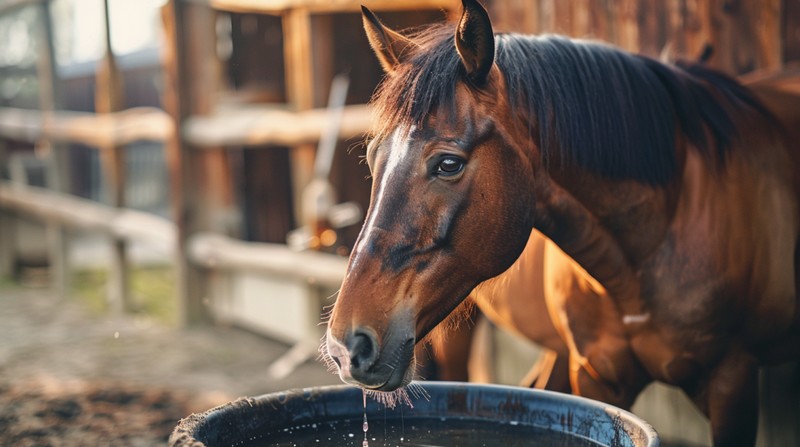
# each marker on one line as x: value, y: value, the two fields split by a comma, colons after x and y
x: 449, y: 166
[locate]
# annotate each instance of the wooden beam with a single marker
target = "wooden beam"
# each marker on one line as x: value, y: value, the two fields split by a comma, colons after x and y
x: 97, y: 130
x: 261, y: 125
x: 76, y: 212
x: 208, y: 250
x: 8, y: 234
x: 109, y: 98
x: 200, y: 182
x: 215, y: 251
x: 57, y: 165
x: 279, y: 7
x: 9, y: 6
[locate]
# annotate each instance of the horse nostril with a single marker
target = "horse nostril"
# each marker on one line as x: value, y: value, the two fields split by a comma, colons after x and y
x: 363, y: 350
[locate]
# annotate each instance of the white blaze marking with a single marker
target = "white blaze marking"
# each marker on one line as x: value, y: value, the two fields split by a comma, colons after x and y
x: 396, y: 152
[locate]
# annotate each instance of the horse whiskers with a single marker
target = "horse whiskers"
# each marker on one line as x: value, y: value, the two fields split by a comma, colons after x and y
x: 332, y: 295
x: 326, y: 358
x: 327, y: 310
x: 391, y: 399
x: 418, y: 391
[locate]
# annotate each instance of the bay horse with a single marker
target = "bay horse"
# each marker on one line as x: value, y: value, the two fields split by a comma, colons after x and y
x: 672, y: 186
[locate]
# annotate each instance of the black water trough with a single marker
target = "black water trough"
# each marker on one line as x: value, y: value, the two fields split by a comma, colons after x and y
x: 453, y: 414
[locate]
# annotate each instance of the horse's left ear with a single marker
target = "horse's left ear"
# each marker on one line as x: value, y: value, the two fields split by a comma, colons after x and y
x: 475, y: 41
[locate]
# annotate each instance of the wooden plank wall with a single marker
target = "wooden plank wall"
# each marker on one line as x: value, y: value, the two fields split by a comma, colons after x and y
x: 747, y: 35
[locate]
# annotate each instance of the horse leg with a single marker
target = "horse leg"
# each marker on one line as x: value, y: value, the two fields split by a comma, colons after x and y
x: 732, y: 400
x: 550, y: 372
x: 609, y: 372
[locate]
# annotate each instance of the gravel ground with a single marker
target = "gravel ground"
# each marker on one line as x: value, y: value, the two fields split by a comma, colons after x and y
x: 70, y: 377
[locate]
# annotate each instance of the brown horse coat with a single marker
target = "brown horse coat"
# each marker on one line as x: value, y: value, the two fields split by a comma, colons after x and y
x: 673, y: 187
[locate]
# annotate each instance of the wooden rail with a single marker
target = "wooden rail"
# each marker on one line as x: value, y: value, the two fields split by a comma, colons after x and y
x: 208, y: 250
x: 98, y: 130
x: 320, y: 6
x: 76, y: 212
x: 8, y: 6
x: 259, y: 125
x: 212, y: 250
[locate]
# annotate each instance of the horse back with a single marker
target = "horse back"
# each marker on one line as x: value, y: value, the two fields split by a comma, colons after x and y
x: 784, y: 103
x: 785, y: 107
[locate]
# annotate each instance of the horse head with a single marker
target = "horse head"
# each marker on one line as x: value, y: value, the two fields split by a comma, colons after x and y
x: 450, y: 203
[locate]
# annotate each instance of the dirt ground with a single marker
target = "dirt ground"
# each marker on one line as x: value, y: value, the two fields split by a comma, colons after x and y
x: 71, y: 377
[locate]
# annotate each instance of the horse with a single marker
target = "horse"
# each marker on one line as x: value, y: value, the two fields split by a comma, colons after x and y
x: 514, y: 301
x: 672, y: 186
x: 517, y: 301
x: 547, y: 298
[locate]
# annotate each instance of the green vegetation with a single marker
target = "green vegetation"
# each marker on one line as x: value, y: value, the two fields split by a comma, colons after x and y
x: 152, y: 291
x: 6, y: 282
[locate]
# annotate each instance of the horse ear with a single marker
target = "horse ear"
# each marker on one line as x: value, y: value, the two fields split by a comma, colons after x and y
x: 475, y: 41
x: 390, y: 46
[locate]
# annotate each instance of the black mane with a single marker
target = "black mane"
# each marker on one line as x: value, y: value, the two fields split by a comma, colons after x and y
x: 609, y: 111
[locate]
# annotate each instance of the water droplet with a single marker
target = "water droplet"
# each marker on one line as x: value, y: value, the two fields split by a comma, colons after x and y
x: 365, y: 425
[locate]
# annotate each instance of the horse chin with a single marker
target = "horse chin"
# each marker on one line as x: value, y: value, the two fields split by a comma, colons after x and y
x: 399, y: 376
x: 399, y: 380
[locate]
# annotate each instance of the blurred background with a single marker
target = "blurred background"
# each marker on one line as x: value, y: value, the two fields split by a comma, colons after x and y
x: 181, y: 183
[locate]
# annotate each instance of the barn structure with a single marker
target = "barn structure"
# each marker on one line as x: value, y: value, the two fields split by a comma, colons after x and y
x: 204, y: 139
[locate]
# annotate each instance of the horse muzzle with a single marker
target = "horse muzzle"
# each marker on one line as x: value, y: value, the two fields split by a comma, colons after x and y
x: 363, y: 362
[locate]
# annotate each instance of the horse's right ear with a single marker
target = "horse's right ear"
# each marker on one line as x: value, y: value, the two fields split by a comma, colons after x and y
x: 390, y: 46
x: 475, y: 41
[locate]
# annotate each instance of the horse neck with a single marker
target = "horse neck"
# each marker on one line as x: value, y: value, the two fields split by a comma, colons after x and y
x: 608, y: 228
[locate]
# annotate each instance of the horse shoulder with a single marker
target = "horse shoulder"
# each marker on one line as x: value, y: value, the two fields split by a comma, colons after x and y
x: 729, y: 253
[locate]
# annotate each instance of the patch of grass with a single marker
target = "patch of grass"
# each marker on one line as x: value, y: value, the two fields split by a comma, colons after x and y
x: 6, y: 282
x: 152, y: 291
x: 89, y: 286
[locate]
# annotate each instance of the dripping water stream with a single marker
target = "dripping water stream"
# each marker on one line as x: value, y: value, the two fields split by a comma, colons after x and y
x: 365, y: 425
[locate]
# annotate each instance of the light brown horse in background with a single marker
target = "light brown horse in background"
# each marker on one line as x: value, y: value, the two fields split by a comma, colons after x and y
x: 672, y: 186
x: 587, y: 353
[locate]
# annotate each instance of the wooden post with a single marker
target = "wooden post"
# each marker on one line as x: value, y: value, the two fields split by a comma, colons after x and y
x: 109, y: 98
x: 200, y: 180
x: 7, y: 230
x: 300, y: 93
x: 57, y: 174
